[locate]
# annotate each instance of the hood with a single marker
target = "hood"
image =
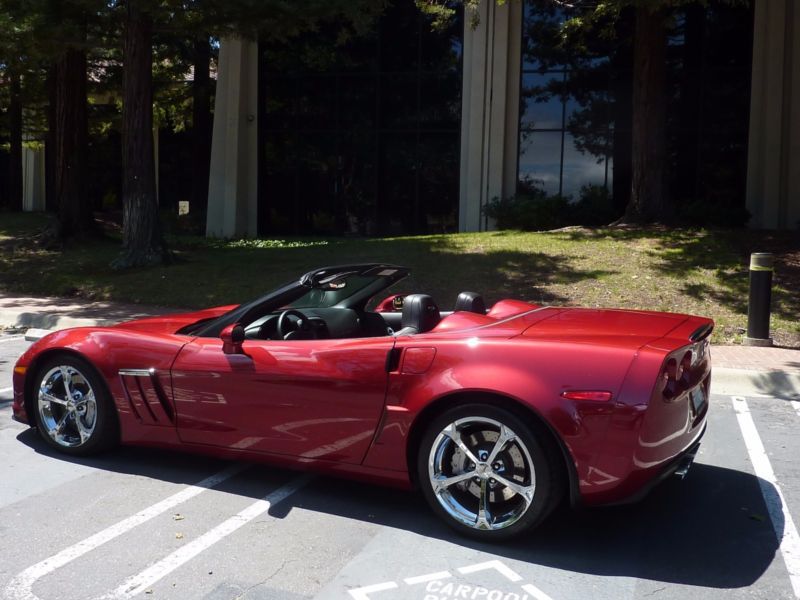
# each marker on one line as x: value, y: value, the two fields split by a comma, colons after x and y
x: 173, y: 323
x: 597, y: 325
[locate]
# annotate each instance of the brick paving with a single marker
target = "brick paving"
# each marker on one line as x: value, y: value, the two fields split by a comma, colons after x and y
x: 752, y: 358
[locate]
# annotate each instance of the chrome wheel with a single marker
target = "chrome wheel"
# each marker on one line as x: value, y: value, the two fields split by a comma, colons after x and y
x: 481, y: 473
x: 67, y: 406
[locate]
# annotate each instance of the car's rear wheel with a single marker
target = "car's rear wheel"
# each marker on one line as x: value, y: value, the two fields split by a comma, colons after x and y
x: 485, y: 472
x: 74, y: 411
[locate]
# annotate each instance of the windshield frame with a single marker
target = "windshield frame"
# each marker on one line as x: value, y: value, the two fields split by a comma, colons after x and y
x: 386, y: 275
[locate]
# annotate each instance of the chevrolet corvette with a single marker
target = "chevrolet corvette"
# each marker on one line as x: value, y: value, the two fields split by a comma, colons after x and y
x: 497, y: 415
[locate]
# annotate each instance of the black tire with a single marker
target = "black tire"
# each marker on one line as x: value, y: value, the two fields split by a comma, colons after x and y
x: 82, y: 425
x: 529, y: 461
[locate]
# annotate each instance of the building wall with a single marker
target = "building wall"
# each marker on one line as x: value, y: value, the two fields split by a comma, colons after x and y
x: 773, y: 173
x: 233, y: 180
x: 490, y: 111
x: 490, y: 123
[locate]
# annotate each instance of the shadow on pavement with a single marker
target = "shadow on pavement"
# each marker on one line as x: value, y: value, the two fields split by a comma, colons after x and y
x: 710, y: 530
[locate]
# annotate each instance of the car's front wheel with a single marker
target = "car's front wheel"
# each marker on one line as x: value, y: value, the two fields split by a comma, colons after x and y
x: 74, y: 411
x: 482, y: 469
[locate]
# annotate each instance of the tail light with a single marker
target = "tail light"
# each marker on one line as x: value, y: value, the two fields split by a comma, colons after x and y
x: 673, y: 370
x: 680, y: 371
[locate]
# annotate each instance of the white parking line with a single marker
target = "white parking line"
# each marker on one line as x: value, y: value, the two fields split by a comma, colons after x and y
x: 427, y: 578
x: 492, y: 564
x: 364, y: 592
x: 12, y: 338
x: 771, y: 491
x: 138, y: 583
x: 21, y: 586
x: 462, y: 590
x: 6, y: 390
x: 535, y: 592
x: 796, y: 405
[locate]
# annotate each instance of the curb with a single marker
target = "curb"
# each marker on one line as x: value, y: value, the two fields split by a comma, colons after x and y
x: 61, y: 313
x: 784, y: 385
x: 34, y: 335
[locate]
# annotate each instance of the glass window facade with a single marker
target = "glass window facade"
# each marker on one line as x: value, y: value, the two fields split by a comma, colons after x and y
x: 575, y: 114
x: 566, y: 126
x: 362, y: 137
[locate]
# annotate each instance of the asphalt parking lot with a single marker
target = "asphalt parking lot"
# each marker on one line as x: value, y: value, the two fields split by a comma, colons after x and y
x: 155, y: 524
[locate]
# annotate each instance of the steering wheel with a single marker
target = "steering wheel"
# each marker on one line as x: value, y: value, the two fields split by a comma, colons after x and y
x: 286, y: 326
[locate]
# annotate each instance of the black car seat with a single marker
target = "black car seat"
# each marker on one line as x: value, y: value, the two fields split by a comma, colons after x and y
x: 420, y: 314
x: 470, y: 302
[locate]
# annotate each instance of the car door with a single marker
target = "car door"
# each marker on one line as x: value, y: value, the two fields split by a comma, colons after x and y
x: 312, y: 399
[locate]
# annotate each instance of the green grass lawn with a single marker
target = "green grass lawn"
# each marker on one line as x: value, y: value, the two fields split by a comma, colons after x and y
x: 693, y: 271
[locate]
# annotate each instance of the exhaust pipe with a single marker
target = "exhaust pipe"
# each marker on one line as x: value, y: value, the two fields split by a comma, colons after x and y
x: 686, y: 462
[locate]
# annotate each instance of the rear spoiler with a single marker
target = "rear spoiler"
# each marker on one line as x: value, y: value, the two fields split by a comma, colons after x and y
x: 690, y: 331
x: 701, y: 332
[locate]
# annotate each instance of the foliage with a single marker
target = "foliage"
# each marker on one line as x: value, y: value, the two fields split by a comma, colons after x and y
x: 534, y: 210
x: 595, y: 207
x: 703, y: 213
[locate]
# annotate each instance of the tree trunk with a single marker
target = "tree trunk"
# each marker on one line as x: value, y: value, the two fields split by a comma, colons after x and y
x: 648, y: 162
x: 142, y: 242
x: 71, y: 145
x: 201, y: 125
x: 622, y: 91
x: 51, y: 204
x: 689, y: 126
x: 15, y: 130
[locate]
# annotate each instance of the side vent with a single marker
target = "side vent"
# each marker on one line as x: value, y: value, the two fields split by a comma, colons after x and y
x: 146, y: 397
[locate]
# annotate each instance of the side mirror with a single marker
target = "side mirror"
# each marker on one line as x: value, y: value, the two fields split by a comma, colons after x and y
x: 232, y: 337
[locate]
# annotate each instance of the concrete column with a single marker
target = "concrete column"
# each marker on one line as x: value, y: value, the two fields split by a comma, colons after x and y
x: 233, y: 179
x: 773, y: 169
x: 489, y: 111
x: 33, y: 179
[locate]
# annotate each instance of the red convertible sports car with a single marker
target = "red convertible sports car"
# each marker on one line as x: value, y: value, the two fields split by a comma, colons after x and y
x: 496, y: 415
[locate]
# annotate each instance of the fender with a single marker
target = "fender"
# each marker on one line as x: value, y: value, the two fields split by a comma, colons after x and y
x: 110, y: 350
x: 533, y: 377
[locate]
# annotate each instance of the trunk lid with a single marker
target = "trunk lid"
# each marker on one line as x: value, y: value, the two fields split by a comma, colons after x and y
x: 612, y: 326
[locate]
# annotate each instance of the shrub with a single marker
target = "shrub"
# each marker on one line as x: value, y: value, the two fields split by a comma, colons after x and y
x: 595, y: 207
x: 704, y: 213
x: 533, y: 210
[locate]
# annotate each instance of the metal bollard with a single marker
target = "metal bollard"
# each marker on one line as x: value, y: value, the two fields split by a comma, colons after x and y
x: 758, y: 308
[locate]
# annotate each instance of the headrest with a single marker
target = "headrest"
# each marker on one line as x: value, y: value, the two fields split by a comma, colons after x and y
x: 470, y: 302
x: 420, y: 312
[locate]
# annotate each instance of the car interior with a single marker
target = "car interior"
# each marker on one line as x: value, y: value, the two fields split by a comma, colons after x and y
x: 419, y: 314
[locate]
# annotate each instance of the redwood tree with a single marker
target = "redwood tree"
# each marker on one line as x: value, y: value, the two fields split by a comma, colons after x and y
x: 15, y: 131
x: 142, y: 240
x: 201, y: 123
x: 71, y: 145
x: 648, y: 161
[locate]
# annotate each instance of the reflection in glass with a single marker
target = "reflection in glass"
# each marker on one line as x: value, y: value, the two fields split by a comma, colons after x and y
x: 581, y: 169
x: 362, y: 136
x: 586, y: 75
x: 540, y: 160
x: 542, y: 164
x: 542, y: 106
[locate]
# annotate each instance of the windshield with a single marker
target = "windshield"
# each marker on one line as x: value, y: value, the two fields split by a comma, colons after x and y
x: 331, y: 293
x: 346, y: 286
